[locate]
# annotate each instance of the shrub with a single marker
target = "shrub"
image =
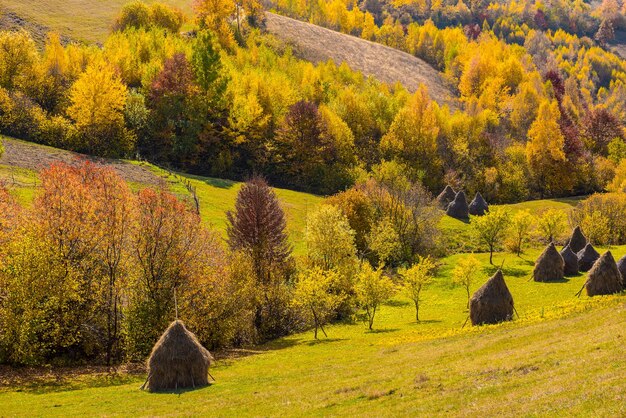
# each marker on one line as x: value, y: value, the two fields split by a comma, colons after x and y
x: 610, y: 208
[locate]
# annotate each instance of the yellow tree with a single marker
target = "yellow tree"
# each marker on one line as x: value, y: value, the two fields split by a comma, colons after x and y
x: 416, y: 279
x: 465, y: 273
x: 97, y: 103
x: 373, y: 288
x: 544, y: 151
x: 313, y: 297
x: 215, y: 15
x: 412, y: 137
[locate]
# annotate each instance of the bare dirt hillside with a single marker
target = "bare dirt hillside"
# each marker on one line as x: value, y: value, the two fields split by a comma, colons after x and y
x: 31, y: 156
x: 388, y: 65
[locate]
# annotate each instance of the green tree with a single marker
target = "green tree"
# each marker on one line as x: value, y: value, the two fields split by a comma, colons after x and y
x: 521, y: 223
x: 384, y: 241
x: 207, y: 65
x: 329, y: 239
x: 464, y: 273
x: 490, y: 228
x: 313, y: 299
x: 551, y: 224
x: 416, y: 279
x: 373, y: 288
x: 596, y: 227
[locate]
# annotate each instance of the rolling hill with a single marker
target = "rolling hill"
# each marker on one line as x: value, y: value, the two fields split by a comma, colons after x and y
x: 388, y: 65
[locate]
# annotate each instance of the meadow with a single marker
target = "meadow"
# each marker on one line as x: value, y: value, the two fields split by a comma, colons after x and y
x: 560, y: 347
x: 440, y: 366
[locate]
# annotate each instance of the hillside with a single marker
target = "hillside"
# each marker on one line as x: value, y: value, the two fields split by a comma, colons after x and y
x: 81, y: 20
x: 388, y: 65
x: 540, y: 364
x: 22, y: 160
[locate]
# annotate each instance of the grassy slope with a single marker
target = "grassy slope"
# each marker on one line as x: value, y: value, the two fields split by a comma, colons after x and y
x: 389, y: 65
x: 556, y: 345
x: 541, y: 364
x: 82, y: 20
x: 18, y: 172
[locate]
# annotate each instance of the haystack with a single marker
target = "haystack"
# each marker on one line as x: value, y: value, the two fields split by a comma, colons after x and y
x: 604, y: 277
x: 458, y: 207
x: 492, y: 303
x: 445, y: 197
x: 621, y: 266
x: 178, y: 361
x: 577, y: 240
x: 478, y: 206
x: 586, y: 257
x: 549, y: 266
x: 571, y: 261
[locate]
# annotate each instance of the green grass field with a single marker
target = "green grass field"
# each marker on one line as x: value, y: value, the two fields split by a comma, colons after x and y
x: 562, y: 356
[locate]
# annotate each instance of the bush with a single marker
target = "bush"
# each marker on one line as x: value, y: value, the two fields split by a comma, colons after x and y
x: 610, y: 209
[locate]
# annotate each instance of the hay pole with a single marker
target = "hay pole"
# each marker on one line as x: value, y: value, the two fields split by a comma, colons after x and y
x: 580, y: 292
x: 144, y: 383
x: 209, y: 373
x: 175, y: 304
x: 515, y: 310
x: 465, y: 323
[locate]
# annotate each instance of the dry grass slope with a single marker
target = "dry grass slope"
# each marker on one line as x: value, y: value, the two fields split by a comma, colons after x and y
x: 81, y: 20
x: 388, y: 65
x: 29, y: 156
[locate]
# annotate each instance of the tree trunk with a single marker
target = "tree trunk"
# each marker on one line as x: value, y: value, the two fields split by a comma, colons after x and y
x: 491, y: 254
x: 417, y: 310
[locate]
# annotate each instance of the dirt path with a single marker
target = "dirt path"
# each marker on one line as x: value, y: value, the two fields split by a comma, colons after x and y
x: 35, y: 157
x: 388, y: 65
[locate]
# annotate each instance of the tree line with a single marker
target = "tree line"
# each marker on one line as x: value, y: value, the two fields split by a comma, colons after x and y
x: 225, y: 99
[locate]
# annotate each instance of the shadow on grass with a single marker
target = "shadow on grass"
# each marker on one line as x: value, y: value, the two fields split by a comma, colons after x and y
x: 382, y: 331
x: 214, y: 182
x: 563, y: 280
x: 179, y: 391
x: 324, y: 341
x: 219, y: 183
x: 507, y: 271
x: 44, y: 384
x: 397, y: 303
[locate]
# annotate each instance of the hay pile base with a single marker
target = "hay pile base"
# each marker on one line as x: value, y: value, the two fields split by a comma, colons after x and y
x: 478, y: 206
x: 571, y: 261
x: 604, y: 278
x: 549, y: 266
x: 178, y: 361
x: 577, y: 240
x: 445, y: 197
x: 458, y: 207
x: 492, y: 303
x: 587, y: 257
